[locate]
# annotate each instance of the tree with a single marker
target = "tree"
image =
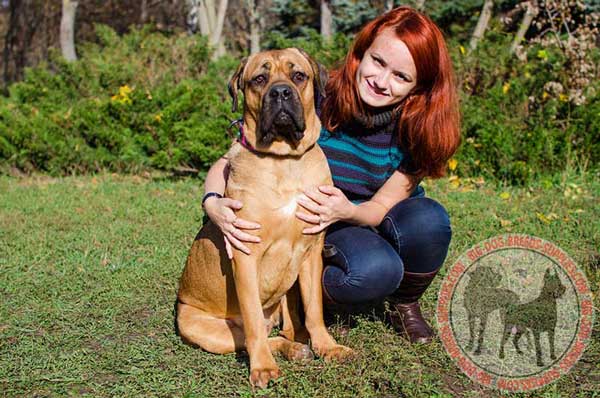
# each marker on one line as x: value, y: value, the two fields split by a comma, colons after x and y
x: 24, y: 20
x: 351, y: 15
x: 482, y: 23
x: 295, y: 17
x: 144, y: 12
x: 326, y: 20
x: 67, y: 30
x: 254, y: 23
x: 530, y: 13
x: 210, y: 19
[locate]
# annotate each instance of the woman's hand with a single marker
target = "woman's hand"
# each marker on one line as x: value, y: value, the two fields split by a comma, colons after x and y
x: 221, y: 211
x: 327, y: 205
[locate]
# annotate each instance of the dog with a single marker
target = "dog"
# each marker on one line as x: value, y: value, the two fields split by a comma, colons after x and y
x: 536, y: 316
x: 232, y: 305
x: 482, y: 297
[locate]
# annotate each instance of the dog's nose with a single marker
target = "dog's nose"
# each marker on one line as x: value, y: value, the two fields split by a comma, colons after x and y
x: 282, y: 91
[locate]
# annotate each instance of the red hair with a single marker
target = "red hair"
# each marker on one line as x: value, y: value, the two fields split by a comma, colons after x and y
x: 429, y: 124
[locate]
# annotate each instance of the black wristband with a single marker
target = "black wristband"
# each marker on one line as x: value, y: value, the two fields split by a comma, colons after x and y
x: 209, y: 195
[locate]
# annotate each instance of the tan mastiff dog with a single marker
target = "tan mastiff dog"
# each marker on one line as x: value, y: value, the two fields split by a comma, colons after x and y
x: 226, y: 306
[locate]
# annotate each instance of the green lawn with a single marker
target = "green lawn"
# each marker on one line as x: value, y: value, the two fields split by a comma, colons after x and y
x: 88, y: 276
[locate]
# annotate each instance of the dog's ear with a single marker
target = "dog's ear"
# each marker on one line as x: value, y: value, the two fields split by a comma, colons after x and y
x: 320, y: 72
x: 236, y: 83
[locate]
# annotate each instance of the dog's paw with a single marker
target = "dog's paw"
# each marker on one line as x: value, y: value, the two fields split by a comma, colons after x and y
x: 299, y: 352
x: 338, y: 353
x: 260, y: 377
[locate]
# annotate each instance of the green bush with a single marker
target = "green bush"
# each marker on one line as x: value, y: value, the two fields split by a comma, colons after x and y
x: 153, y: 101
x: 144, y: 100
x: 513, y: 128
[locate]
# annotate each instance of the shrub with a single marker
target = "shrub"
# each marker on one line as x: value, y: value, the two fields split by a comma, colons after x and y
x: 518, y: 121
x: 149, y: 100
x: 133, y: 102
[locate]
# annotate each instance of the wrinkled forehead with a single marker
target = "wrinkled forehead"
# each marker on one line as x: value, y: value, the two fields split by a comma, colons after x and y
x: 277, y: 62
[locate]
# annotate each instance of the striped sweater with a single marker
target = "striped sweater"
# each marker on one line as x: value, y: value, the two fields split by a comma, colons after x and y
x: 361, y: 163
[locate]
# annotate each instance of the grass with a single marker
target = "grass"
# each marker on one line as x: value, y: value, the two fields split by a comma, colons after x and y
x: 89, y: 268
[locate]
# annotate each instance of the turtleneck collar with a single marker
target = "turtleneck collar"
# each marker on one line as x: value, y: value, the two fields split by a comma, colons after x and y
x: 374, y: 122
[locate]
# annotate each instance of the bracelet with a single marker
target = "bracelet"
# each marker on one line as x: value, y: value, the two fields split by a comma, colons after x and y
x: 210, y: 195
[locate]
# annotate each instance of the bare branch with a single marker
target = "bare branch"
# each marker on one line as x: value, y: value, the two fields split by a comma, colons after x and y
x: 482, y: 23
x: 530, y: 13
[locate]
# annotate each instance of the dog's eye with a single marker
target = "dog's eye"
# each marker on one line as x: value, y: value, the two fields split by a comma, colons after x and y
x: 299, y: 77
x: 260, y: 79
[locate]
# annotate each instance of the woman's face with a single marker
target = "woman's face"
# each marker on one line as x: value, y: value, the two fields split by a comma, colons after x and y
x: 387, y: 71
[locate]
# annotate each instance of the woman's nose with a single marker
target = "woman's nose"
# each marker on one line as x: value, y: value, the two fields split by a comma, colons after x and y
x: 381, y: 81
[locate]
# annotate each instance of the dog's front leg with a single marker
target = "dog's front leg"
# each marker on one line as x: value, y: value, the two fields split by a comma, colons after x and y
x: 262, y: 364
x: 312, y: 296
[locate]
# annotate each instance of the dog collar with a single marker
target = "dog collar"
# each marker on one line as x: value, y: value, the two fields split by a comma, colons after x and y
x: 243, y: 140
x: 240, y: 136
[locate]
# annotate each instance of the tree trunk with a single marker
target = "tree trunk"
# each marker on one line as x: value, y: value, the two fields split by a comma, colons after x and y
x: 22, y: 24
x: 202, y: 13
x: 326, y: 20
x: 203, y: 18
x: 389, y: 5
x: 211, y: 14
x: 144, y: 12
x: 482, y: 23
x: 254, y: 20
x: 530, y: 13
x: 217, y: 36
x: 420, y: 5
x: 67, y: 30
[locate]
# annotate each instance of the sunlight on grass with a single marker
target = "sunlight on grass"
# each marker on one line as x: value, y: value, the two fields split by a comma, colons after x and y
x: 89, y: 268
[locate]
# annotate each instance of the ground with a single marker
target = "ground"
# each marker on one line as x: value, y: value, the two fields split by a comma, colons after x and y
x: 89, y: 268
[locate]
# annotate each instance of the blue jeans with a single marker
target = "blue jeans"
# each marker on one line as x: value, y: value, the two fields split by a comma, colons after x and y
x: 370, y: 262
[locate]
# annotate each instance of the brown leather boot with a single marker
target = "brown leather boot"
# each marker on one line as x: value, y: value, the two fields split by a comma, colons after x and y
x: 406, y: 316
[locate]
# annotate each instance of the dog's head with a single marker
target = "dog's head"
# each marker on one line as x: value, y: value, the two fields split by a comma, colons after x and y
x: 485, y: 277
x: 279, y: 89
x: 552, y: 284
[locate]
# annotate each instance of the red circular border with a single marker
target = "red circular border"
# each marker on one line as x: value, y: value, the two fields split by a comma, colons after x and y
x: 516, y: 241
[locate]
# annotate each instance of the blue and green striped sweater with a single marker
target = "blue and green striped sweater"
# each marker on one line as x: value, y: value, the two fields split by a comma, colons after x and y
x: 361, y: 164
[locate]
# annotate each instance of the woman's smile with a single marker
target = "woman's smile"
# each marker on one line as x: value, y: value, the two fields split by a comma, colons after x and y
x: 376, y: 90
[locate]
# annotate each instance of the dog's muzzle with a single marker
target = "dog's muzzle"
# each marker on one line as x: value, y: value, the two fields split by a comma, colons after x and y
x: 282, y: 115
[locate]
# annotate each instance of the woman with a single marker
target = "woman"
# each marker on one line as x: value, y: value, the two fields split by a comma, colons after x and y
x: 390, y: 118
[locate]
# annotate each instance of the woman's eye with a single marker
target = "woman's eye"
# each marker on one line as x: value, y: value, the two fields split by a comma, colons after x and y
x: 402, y: 77
x: 377, y: 60
x: 299, y: 77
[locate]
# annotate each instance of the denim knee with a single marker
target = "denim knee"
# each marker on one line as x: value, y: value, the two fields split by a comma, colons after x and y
x: 365, y: 268
x: 419, y: 228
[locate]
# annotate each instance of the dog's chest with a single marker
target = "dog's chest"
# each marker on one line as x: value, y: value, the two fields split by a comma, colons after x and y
x: 269, y: 189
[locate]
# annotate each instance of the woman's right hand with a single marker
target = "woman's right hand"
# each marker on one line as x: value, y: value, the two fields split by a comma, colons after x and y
x: 221, y: 211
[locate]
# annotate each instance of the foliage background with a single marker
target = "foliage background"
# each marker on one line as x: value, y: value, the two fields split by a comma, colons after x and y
x: 155, y: 99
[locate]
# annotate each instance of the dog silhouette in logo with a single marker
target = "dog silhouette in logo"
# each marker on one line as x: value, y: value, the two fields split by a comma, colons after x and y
x: 536, y: 316
x: 482, y: 297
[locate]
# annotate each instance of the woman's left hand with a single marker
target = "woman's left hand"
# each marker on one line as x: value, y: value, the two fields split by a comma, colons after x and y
x: 327, y: 204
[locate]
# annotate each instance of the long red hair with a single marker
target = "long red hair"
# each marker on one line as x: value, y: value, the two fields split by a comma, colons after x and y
x: 428, y: 128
